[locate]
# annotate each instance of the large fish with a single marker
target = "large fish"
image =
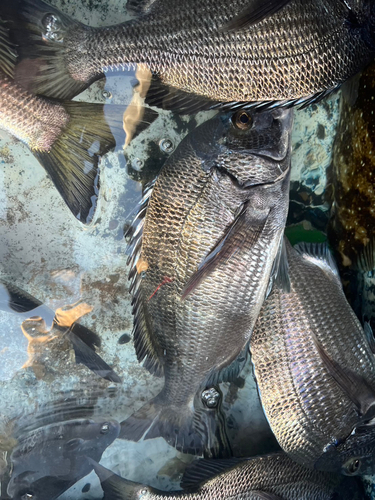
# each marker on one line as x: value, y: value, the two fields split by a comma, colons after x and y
x: 202, y: 265
x: 49, y: 460
x: 270, y: 477
x: 68, y: 138
x: 315, y: 369
x: 223, y: 52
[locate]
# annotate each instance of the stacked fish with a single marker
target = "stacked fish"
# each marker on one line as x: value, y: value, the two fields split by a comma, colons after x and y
x: 211, y: 273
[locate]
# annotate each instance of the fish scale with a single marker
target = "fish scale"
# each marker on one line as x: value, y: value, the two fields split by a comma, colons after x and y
x: 305, y: 406
x: 211, y: 233
x: 270, y: 477
x: 299, y: 52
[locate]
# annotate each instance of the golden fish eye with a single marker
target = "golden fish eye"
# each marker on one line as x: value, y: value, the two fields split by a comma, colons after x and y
x: 242, y: 120
x: 353, y: 465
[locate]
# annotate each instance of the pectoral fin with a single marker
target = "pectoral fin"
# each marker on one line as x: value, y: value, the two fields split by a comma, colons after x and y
x: 256, y: 11
x: 356, y: 387
x: 243, y: 229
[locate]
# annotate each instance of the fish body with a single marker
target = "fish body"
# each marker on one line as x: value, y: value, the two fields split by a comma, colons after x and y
x: 270, y: 477
x: 314, y: 367
x: 223, y: 52
x: 202, y: 264
x: 50, y: 459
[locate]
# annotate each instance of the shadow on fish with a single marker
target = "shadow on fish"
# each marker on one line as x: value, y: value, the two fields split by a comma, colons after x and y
x: 61, y: 325
x: 49, y: 460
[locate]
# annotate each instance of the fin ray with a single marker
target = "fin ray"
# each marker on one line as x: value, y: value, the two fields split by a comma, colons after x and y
x: 72, y: 163
x: 255, y: 12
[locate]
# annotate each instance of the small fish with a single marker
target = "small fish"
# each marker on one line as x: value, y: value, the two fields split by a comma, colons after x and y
x: 200, y: 54
x: 49, y: 460
x: 201, y: 260
x: 269, y: 477
x: 63, y: 332
x: 319, y: 396
x: 68, y: 138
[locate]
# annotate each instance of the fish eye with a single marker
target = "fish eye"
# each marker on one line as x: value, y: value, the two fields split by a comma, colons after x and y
x: 242, y: 120
x: 352, y: 466
x: 104, y: 428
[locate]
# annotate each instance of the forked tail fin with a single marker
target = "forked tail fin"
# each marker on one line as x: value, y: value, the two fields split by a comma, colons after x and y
x: 40, y: 33
x: 158, y: 419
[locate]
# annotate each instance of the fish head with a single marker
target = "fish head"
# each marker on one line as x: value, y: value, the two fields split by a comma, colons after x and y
x: 355, y: 456
x: 49, y: 460
x: 255, y: 145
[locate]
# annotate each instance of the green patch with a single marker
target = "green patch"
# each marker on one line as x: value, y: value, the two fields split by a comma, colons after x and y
x: 298, y: 233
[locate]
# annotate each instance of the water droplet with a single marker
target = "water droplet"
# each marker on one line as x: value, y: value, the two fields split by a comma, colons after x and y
x: 166, y: 145
x: 104, y: 428
x: 53, y: 28
x: 106, y: 94
x: 211, y: 397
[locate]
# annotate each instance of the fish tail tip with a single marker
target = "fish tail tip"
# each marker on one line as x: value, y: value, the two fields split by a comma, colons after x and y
x: 40, y: 34
x: 115, y: 487
x: 73, y: 160
x: 156, y: 419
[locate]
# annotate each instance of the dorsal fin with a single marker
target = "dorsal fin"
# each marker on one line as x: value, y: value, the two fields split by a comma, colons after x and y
x: 320, y: 255
x: 366, y: 258
x: 202, y: 470
x: 145, y: 344
x: 255, y: 12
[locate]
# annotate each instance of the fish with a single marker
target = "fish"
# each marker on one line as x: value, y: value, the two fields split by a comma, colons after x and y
x: 200, y: 55
x: 268, y: 477
x: 314, y: 367
x: 49, y: 460
x: 62, y: 333
x: 202, y: 253
x: 67, y: 138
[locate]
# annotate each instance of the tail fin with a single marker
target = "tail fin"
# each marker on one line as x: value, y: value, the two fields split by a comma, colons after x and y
x: 114, y: 486
x: 72, y: 162
x: 41, y: 34
x: 175, y: 425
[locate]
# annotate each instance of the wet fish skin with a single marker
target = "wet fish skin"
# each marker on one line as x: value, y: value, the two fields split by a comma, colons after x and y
x: 272, y: 477
x: 312, y: 340
x: 224, y: 52
x: 202, y: 264
x: 48, y: 460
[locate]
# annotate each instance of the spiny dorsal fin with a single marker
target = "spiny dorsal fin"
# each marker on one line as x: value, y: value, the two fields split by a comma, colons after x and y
x: 255, y: 12
x: 202, y: 470
x: 144, y: 343
x: 320, y: 255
